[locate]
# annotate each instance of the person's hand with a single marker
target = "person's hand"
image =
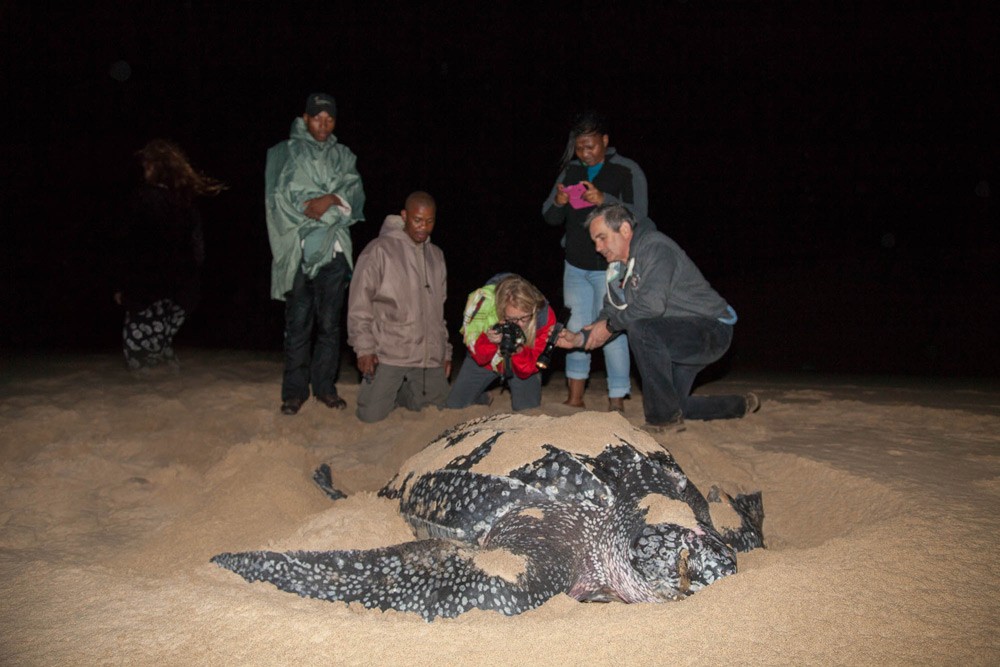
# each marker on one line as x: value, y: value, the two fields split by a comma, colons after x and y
x: 447, y: 369
x: 592, y: 195
x: 494, y: 336
x: 569, y: 340
x: 118, y: 296
x: 367, y: 364
x: 316, y: 207
x: 562, y: 197
x: 599, y: 334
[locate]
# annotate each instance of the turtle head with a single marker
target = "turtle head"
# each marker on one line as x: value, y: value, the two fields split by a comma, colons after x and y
x: 674, y: 561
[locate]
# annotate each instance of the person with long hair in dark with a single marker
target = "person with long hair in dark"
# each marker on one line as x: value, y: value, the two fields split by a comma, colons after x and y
x: 162, y: 252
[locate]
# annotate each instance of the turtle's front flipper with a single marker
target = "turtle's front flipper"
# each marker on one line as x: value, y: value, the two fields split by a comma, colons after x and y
x: 750, y: 535
x: 324, y: 480
x: 430, y: 577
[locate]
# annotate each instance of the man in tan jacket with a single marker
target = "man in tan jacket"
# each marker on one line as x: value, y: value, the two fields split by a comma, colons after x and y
x: 395, y: 320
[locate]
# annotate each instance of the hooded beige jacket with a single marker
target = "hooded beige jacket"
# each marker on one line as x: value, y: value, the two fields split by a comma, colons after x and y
x: 396, y: 302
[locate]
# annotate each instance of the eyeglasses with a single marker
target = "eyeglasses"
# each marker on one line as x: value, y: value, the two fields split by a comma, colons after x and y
x: 520, y: 321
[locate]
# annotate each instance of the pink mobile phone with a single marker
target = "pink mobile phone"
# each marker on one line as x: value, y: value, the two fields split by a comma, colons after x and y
x: 575, y: 193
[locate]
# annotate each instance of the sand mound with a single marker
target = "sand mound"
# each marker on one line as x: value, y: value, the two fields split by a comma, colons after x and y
x: 880, y: 502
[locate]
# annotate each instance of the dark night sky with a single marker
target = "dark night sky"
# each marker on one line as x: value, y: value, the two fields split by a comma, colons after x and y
x: 826, y: 168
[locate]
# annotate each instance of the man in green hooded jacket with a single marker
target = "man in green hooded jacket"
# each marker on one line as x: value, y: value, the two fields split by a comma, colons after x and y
x: 313, y: 193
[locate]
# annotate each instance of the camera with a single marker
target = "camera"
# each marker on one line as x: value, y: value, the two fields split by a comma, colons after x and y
x: 512, y: 337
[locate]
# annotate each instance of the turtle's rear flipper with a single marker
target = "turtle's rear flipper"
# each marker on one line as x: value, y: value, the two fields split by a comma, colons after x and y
x: 430, y: 577
x: 324, y: 480
x: 750, y: 535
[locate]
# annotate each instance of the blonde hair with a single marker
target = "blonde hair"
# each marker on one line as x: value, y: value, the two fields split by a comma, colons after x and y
x: 171, y: 169
x: 518, y: 292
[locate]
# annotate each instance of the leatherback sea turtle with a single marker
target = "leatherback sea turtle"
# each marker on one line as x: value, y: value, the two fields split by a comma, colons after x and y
x: 510, y: 510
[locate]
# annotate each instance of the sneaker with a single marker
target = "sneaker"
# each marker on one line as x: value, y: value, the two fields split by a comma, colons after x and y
x: 753, y: 403
x: 332, y: 401
x: 291, y: 406
x: 616, y: 405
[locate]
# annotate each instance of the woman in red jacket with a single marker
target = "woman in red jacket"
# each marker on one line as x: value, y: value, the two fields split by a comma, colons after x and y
x: 507, y: 349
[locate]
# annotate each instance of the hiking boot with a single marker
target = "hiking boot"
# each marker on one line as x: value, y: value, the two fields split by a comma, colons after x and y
x: 332, y: 401
x: 675, y: 425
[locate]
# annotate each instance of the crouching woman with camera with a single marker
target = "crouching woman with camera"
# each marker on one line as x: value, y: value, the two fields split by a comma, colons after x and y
x: 506, y: 327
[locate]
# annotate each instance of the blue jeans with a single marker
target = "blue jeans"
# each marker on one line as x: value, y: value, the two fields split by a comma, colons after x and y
x: 669, y: 352
x: 583, y: 292
x: 473, y: 380
x: 314, y: 304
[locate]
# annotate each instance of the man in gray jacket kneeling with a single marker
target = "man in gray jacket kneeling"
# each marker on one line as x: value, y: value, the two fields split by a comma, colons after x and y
x: 676, y: 323
x: 395, y: 319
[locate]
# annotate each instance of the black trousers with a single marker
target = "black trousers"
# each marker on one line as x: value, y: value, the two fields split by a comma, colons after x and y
x: 312, y: 331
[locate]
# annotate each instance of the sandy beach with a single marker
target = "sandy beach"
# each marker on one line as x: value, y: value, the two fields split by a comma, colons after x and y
x: 880, y: 494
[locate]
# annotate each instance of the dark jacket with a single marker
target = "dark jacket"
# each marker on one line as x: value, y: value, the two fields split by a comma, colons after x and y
x: 161, y: 250
x: 622, y: 182
x: 662, y: 282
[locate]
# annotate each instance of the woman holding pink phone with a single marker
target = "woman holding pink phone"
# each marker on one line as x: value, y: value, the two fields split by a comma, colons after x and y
x: 592, y: 173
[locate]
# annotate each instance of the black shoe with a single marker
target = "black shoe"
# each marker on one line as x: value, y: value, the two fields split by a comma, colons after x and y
x: 291, y: 406
x: 332, y: 401
x: 675, y: 425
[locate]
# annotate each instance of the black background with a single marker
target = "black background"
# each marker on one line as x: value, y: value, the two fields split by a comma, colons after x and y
x: 832, y: 168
